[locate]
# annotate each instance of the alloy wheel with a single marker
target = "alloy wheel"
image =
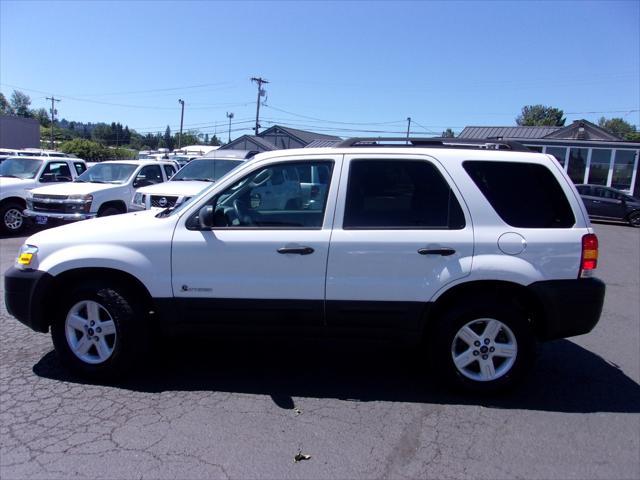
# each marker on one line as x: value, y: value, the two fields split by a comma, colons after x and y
x: 484, y: 349
x: 91, y: 332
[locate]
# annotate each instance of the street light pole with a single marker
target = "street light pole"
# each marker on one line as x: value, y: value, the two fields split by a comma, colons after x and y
x: 181, y: 119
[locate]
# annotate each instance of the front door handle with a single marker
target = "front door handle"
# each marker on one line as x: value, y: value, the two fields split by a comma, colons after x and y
x: 296, y: 250
x: 445, y: 252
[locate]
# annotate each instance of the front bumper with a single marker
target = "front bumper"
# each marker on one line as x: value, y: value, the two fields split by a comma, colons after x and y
x: 69, y: 217
x: 24, y: 294
x: 569, y: 307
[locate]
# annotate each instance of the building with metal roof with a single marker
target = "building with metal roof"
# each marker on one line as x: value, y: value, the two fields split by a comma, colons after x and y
x: 588, y: 153
x: 278, y: 137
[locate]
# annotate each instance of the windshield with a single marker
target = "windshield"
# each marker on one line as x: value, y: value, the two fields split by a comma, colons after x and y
x: 20, y: 167
x: 108, y: 173
x: 206, y: 170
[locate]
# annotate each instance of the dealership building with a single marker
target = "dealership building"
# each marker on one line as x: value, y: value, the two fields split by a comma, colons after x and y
x: 588, y: 153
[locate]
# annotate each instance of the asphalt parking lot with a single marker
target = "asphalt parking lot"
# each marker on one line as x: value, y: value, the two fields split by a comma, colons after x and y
x: 225, y: 410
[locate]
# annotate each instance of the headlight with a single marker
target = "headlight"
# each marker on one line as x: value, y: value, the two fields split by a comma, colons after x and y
x: 79, y: 203
x: 138, y: 199
x: 81, y: 198
x: 26, y: 257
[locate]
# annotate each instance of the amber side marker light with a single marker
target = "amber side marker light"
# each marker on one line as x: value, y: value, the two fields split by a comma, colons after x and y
x: 589, y: 260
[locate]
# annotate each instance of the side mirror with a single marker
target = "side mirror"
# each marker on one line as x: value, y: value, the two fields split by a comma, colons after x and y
x: 205, y: 217
x: 142, y: 183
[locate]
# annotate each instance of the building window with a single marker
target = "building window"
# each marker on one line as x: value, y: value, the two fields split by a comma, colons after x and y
x: 599, y: 169
x: 623, y: 169
x: 559, y: 152
x: 535, y: 148
x: 577, y: 164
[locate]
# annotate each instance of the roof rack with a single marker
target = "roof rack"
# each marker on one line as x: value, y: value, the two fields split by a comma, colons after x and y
x: 434, y: 142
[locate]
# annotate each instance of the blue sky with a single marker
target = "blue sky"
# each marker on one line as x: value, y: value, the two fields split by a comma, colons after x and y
x: 335, y: 67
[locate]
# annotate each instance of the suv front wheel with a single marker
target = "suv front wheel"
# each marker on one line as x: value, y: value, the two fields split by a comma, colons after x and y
x: 98, y: 332
x: 482, y: 348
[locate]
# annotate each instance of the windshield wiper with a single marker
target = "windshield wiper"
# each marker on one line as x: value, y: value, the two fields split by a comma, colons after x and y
x: 203, y: 179
x: 10, y: 176
x: 77, y: 180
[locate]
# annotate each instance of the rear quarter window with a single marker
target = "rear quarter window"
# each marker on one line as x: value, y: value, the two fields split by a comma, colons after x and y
x: 525, y: 195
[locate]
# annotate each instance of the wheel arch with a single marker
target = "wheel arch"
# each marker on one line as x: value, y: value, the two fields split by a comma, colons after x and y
x: 118, y: 204
x: 18, y: 200
x: 64, y: 281
x: 490, y: 290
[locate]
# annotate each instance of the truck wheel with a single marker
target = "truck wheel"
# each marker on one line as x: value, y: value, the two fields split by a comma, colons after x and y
x: 99, y: 332
x: 482, y: 348
x: 11, y: 219
x: 109, y: 211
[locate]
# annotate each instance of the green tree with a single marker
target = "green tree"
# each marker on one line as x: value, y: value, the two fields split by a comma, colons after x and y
x: 619, y: 127
x: 168, y: 139
x: 448, y: 133
x: 42, y: 116
x: 85, y: 149
x: 540, y: 115
x: 20, y: 103
x: 215, y: 141
x: 5, y: 107
x: 102, y: 133
x: 206, y: 139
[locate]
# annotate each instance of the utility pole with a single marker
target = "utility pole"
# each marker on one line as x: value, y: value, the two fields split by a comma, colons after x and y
x: 53, y: 115
x: 181, y: 119
x: 408, y: 128
x: 261, y: 92
x: 229, y: 116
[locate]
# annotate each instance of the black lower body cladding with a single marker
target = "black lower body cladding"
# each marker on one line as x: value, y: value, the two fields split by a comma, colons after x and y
x: 24, y: 292
x: 570, y: 307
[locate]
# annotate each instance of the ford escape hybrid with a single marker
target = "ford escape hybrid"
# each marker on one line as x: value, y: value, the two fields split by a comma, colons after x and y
x: 435, y: 241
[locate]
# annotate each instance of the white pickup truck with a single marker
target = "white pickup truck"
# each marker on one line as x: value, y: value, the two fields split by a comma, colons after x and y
x: 105, y: 189
x: 19, y: 175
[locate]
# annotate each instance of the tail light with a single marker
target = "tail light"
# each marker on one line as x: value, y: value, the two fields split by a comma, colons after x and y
x: 589, y: 259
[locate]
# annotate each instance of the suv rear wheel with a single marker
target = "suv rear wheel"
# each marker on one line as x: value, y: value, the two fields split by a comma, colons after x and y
x: 482, y: 347
x: 99, y: 332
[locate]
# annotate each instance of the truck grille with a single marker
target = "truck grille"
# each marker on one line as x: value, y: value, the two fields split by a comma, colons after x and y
x: 48, y: 207
x: 163, y: 201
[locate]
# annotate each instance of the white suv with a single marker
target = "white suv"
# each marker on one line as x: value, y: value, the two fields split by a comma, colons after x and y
x: 190, y: 180
x: 473, y: 250
x: 104, y: 189
x: 20, y: 175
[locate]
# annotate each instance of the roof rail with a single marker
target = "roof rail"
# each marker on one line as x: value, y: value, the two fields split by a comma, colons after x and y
x: 434, y: 142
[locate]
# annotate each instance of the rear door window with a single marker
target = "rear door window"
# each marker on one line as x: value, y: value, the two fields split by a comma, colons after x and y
x: 399, y: 194
x: 525, y: 195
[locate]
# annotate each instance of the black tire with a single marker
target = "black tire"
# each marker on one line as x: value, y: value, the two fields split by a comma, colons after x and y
x: 12, y: 222
x: 634, y: 219
x: 129, y: 343
x: 108, y: 211
x: 442, y: 348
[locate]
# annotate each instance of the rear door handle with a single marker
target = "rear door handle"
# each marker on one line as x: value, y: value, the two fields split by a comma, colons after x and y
x: 445, y: 252
x: 296, y: 250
